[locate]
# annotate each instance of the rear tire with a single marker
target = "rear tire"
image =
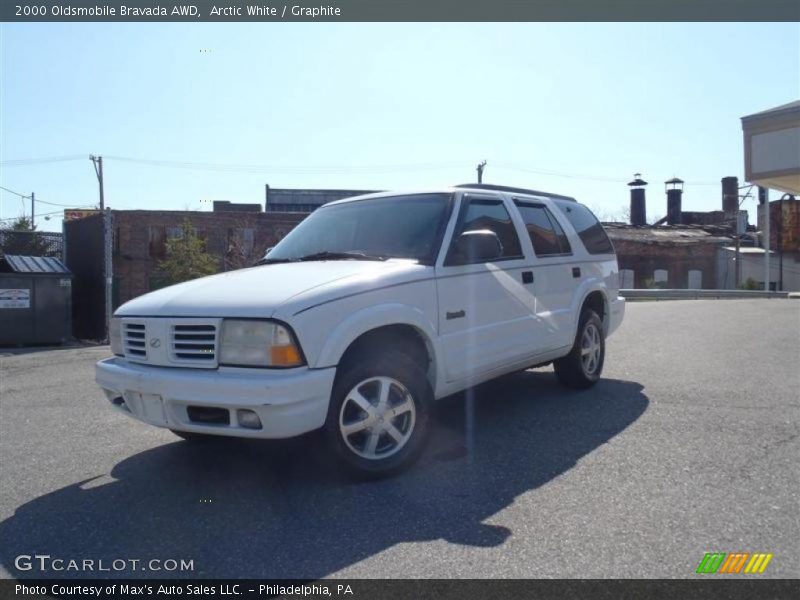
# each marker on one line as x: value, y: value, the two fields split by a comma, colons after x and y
x: 379, y: 414
x: 582, y: 367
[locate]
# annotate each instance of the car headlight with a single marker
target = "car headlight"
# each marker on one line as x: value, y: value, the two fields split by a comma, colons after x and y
x: 258, y: 344
x: 115, y: 336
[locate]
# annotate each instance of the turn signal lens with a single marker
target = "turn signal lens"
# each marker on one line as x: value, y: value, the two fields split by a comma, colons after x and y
x: 285, y: 356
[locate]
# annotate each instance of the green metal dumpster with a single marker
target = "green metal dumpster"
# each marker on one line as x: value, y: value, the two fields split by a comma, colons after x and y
x: 35, y: 300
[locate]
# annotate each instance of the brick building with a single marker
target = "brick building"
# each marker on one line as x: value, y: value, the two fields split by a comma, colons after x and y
x: 303, y: 200
x: 693, y: 251
x: 237, y: 238
x: 671, y: 256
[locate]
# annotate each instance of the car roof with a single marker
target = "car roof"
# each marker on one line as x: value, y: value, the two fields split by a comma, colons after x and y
x: 464, y: 187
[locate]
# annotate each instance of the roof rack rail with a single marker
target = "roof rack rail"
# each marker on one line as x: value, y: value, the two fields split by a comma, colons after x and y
x: 505, y: 188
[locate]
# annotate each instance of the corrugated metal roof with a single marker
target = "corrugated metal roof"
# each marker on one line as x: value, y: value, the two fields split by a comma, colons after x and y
x: 35, y: 264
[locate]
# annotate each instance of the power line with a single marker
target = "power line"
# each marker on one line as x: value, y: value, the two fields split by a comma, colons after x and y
x: 39, y: 161
x: 54, y: 203
x: 47, y: 214
x: 287, y: 169
x: 13, y: 192
x: 550, y: 172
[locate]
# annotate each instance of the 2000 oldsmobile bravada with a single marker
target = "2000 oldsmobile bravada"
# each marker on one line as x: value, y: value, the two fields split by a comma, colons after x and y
x: 368, y: 311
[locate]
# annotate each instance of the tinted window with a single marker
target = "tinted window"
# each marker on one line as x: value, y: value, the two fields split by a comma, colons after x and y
x: 491, y: 215
x: 588, y: 227
x: 546, y: 234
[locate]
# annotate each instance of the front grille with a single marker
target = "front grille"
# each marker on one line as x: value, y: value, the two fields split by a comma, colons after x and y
x: 134, y: 337
x: 193, y: 343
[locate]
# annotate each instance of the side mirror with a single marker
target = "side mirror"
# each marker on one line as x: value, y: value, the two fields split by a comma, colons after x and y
x: 480, y: 245
x: 268, y: 251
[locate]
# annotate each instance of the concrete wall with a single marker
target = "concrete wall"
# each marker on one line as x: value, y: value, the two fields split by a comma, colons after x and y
x: 753, y: 268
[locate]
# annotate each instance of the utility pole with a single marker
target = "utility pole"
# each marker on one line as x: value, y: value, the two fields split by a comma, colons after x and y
x: 480, y: 171
x: 108, y: 276
x: 764, y: 193
x: 98, y: 169
x: 738, y: 270
x: 33, y: 210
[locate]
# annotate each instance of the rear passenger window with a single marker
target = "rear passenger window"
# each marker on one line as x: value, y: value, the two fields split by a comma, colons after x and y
x: 546, y: 235
x: 587, y: 226
x: 480, y: 213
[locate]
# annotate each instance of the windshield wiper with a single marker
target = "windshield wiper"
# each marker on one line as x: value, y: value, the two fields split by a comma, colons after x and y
x: 272, y: 261
x: 326, y: 255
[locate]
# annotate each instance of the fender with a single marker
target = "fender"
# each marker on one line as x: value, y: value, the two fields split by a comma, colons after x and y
x: 589, y: 285
x: 373, y: 317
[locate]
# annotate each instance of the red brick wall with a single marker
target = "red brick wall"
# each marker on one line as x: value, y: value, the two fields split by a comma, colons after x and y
x: 676, y: 259
x: 788, y: 213
x: 139, y: 236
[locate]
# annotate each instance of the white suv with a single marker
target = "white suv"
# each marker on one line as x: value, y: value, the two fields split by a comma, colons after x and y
x: 368, y: 311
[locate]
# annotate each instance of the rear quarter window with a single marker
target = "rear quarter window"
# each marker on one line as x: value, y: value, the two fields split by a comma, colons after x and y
x: 587, y: 227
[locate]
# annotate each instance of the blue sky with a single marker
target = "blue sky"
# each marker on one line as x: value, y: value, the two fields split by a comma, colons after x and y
x: 569, y: 108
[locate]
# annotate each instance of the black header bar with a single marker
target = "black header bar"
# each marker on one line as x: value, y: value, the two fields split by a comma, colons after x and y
x: 398, y: 10
x: 699, y: 588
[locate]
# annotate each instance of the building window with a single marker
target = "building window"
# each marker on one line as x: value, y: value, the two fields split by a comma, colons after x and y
x: 626, y: 279
x: 660, y: 277
x: 695, y: 279
x: 174, y: 233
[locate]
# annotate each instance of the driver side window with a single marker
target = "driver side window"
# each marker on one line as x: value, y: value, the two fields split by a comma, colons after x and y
x: 481, y: 214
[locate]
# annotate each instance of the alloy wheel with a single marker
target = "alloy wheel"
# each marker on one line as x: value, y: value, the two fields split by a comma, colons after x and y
x: 377, y: 418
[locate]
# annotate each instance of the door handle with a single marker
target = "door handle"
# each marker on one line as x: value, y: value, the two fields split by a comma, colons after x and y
x: 527, y: 277
x: 576, y: 271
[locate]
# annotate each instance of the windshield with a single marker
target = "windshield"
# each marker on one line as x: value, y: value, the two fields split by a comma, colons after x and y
x: 391, y: 227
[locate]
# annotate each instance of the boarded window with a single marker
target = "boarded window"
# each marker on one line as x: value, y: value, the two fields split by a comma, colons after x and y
x: 157, y: 241
x: 661, y: 276
x: 695, y: 279
x: 626, y: 279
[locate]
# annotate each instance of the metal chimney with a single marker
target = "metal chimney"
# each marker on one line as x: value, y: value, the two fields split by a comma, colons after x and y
x: 638, y: 205
x: 674, y: 189
x: 730, y: 195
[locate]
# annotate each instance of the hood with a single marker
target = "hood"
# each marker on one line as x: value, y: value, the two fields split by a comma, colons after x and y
x: 258, y: 291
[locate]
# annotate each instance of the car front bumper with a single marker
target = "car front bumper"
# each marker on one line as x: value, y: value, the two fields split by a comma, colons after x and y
x: 288, y: 402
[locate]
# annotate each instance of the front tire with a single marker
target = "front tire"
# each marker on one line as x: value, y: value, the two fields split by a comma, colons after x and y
x: 582, y: 367
x: 379, y: 414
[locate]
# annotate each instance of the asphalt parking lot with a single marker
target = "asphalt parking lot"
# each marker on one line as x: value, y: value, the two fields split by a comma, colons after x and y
x: 689, y: 445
